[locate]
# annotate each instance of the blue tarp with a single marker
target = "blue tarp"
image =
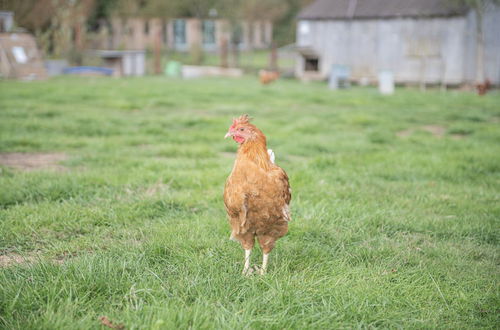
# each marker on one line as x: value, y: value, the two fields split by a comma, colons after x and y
x: 88, y: 70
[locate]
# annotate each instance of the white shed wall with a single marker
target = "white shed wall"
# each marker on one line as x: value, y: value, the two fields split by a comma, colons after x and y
x: 491, y: 42
x: 398, y: 45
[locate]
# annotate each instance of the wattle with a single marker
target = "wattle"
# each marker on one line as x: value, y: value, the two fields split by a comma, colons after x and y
x: 238, y: 139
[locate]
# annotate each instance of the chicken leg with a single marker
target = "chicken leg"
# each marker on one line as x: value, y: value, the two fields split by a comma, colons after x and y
x: 265, y: 257
x: 246, y: 268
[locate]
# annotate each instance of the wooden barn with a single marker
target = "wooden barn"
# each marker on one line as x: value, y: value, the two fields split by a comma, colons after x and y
x: 429, y: 41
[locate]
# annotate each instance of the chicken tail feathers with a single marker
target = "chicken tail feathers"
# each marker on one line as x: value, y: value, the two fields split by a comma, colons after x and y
x: 270, y: 152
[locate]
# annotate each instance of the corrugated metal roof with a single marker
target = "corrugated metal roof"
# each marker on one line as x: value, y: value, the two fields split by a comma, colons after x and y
x: 347, y: 9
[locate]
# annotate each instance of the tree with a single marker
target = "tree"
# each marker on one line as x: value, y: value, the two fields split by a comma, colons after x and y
x: 58, y: 25
x: 31, y: 14
x: 249, y: 11
x: 284, y: 27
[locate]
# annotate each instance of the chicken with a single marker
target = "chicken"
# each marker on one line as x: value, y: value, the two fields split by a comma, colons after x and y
x: 483, y: 88
x: 267, y: 77
x: 257, y: 193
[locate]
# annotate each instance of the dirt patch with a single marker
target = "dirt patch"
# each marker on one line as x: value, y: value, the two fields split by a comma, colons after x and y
x: 63, y: 257
x: 458, y: 136
x: 158, y: 187
x: 113, y: 325
x: 145, y: 146
x: 436, y: 130
x: 31, y: 258
x: 15, y: 259
x: 33, y: 161
x: 405, y: 133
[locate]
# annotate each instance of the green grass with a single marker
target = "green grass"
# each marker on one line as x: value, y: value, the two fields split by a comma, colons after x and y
x: 390, y: 230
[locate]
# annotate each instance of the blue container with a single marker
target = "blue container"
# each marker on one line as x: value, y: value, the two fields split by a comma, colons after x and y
x: 339, y: 77
x: 88, y: 70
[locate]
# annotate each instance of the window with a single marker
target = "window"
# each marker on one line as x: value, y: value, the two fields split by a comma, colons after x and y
x: 208, y: 28
x: 237, y: 34
x: 146, y: 27
x: 304, y: 27
x: 180, y: 32
x: 311, y: 64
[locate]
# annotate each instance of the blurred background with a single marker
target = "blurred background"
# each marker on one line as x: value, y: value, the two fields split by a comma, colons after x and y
x: 428, y: 42
x: 225, y: 33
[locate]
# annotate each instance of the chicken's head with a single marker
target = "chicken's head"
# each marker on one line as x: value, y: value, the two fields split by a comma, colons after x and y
x: 241, y: 130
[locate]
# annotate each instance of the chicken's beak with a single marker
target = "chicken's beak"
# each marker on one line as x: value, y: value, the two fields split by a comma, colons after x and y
x: 228, y: 134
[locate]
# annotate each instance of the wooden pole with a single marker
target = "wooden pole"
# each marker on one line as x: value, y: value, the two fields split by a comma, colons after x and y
x: 157, y: 52
x: 224, y: 53
x: 273, y: 59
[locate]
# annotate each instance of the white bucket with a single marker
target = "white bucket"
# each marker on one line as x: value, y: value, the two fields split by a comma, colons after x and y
x: 386, y: 82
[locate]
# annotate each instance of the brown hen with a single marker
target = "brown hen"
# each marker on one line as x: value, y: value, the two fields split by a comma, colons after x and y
x: 257, y: 193
x: 267, y: 77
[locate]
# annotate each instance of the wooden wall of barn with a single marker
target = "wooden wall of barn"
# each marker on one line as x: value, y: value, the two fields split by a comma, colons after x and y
x: 492, y: 45
x: 434, y: 50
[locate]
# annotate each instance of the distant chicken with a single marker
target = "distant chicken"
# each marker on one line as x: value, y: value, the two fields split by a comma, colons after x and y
x: 483, y: 88
x: 267, y: 77
x: 257, y: 193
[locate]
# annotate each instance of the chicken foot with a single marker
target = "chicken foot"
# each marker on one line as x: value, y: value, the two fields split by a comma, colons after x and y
x: 247, y: 270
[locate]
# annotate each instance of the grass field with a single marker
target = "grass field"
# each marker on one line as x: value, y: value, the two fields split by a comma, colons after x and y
x: 396, y: 207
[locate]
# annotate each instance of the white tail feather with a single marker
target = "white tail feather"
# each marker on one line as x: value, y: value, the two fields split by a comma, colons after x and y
x: 271, y: 155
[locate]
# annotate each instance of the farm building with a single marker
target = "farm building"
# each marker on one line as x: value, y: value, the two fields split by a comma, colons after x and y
x: 182, y: 34
x: 429, y: 41
x: 20, y: 57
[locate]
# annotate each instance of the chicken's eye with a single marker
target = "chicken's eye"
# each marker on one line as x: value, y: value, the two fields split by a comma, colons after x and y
x: 242, y: 129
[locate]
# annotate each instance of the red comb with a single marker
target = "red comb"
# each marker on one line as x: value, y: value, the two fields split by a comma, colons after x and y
x: 234, y: 123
